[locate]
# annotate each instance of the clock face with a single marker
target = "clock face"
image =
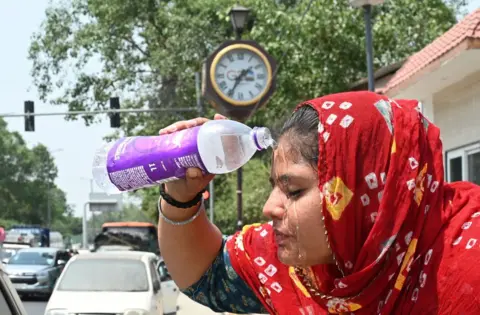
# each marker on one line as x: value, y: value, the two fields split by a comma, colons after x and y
x: 242, y: 76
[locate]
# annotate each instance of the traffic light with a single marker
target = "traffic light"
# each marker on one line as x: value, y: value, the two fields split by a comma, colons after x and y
x: 29, y: 119
x: 114, y: 117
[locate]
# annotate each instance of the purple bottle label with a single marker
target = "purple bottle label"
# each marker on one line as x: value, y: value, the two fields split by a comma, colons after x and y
x: 136, y: 162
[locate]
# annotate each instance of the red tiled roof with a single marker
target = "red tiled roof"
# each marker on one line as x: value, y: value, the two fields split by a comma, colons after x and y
x: 468, y: 28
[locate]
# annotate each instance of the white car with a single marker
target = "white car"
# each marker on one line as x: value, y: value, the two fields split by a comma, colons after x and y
x: 125, y: 283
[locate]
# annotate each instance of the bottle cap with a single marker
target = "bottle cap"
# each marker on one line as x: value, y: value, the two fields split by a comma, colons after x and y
x: 262, y: 138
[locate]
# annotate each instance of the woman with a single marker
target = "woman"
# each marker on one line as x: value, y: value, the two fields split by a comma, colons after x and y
x: 361, y: 221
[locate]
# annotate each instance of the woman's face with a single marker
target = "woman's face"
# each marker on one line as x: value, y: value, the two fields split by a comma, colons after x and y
x: 295, y: 206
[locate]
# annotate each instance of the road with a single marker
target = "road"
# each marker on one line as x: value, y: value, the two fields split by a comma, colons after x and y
x: 187, y: 307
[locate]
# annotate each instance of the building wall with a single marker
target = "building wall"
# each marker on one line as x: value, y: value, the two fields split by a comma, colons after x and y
x: 457, y: 113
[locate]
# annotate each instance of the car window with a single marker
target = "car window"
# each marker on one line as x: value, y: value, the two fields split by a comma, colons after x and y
x: 31, y: 258
x: 108, y: 275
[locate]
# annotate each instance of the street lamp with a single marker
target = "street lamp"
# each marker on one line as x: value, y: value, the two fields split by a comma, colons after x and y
x: 367, y: 7
x: 239, y: 17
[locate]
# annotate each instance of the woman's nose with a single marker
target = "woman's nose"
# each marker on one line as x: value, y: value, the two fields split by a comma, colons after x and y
x: 274, y: 208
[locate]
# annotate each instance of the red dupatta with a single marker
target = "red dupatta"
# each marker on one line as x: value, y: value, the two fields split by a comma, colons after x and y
x: 394, y: 226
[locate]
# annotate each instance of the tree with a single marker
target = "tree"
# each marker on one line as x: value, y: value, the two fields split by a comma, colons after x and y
x: 26, y: 178
x: 149, y: 51
x: 68, y: 224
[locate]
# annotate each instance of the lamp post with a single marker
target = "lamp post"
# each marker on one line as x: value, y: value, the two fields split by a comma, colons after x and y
x: 239, y: 17
x: 367, y: 7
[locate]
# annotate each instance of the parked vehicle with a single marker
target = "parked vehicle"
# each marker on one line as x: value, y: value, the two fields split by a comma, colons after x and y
x: 25, y: 238
x: 34, y: 234
x: 124, y: 282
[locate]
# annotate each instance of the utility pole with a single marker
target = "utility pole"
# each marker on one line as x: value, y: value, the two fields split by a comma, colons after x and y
x: 367, y: 6
x: 49, y: 208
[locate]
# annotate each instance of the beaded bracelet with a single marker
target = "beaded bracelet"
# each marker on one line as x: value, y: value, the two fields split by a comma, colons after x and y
x: 160, y: 212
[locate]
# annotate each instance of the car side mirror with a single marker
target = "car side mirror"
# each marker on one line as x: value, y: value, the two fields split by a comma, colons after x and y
x: 156, y: 286
x: 5, y: 261
x: 163, y: 272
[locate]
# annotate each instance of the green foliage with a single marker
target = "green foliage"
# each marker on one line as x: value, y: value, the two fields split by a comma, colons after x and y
x: 68, y: 224
x: 148, y: 52
x: 27, y: 182
x: 256, y: 189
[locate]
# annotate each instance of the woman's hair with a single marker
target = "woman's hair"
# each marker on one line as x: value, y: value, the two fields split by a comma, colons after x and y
x: 301, y: 128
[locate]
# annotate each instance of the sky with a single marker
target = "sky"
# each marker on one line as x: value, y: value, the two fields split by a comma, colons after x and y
x: 72, y: 143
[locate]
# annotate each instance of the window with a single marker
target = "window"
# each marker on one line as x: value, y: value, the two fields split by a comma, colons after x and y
x: 109, y: 275
x: 32, y: 258
x: 464, y: 164
x: 138, y: 237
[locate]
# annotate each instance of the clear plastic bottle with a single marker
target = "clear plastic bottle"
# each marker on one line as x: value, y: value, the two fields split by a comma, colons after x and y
x: 216, y: 147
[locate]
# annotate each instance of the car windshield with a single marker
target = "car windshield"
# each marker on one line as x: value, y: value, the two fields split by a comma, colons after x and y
x: 7, y: 253
x: 31, y: 258
x: 121, y: 275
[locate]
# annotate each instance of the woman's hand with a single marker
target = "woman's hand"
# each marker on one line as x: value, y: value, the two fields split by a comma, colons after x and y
x: 186, y: 189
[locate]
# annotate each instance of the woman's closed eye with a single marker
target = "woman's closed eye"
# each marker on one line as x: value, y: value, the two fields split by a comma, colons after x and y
x: 294, y: 194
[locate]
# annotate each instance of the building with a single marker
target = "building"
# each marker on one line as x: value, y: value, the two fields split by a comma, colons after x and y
x: 445, y: 76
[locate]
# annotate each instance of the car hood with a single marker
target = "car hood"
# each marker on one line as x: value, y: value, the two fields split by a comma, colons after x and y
x: 99, y: 302
x: 24, y: 270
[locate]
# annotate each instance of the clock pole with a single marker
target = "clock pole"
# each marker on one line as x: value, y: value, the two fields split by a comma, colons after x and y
x: 238, y: 17
x: 243, y: 66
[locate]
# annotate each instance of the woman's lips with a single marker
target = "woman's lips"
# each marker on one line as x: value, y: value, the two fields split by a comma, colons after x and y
x: 281, y: 238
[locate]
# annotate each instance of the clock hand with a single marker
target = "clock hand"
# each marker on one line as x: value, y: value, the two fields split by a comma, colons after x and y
x: 238, y: 79
x: 237, y: 82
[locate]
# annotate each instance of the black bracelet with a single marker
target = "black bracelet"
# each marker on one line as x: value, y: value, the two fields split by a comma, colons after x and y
x: 178, y: 204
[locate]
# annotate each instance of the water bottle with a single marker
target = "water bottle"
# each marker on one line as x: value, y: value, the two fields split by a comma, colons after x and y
x: 216, y: 147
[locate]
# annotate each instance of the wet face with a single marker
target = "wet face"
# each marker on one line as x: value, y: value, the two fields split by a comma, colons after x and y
x: 295, y: 206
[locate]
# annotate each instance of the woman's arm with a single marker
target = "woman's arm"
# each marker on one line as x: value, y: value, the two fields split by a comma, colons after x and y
x: 222, y: 290
x: 194, y: 252
x: 188, y: 249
